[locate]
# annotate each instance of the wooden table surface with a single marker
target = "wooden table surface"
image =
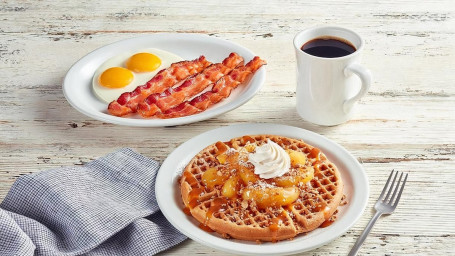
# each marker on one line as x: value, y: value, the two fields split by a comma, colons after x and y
x: 405, y: 122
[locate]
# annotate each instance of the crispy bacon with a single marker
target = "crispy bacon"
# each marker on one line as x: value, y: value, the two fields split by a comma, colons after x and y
x: 166, y: 78
x: 160, y: 102
x: 220, y: 90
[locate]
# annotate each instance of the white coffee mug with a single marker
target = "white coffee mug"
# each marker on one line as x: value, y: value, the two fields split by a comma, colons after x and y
x: 328, y: 88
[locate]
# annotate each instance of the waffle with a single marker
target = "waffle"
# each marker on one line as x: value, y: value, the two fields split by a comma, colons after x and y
x: 246, y: 219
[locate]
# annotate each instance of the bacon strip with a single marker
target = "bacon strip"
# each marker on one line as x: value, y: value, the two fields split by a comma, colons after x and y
x: 160, y: 102
x: 220, y: 90
x: 166, y: 78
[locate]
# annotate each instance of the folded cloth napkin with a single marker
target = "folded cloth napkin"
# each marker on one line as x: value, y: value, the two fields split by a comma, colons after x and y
x: 107, y: 207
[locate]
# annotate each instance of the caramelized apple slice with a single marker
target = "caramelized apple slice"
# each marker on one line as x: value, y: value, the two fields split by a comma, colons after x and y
x: 230, y: 187
x: 247, y: 175
x: 266, y: 197
x: 297, y: 158
x: 213, y: 177
x: 250, y: 148
x: 287, y: 181
x: 304, y: 175
x: 231, y: 157
x: 221, y: 148
x: 222, y: 158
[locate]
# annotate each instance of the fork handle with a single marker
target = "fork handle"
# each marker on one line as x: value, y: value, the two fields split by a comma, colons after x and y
x: 364, y: 234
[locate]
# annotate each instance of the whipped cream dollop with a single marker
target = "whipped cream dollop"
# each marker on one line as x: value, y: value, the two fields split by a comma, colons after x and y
x: 270, y: 160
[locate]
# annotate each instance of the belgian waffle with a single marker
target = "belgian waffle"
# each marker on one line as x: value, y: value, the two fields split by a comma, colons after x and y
x: 244, y: 219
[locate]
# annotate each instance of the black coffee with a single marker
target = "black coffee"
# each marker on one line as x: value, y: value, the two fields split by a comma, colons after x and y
x: 328, y: 47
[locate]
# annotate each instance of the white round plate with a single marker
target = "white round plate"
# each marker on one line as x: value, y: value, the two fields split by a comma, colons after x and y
x: 77, y: 86
x: 354, y: 178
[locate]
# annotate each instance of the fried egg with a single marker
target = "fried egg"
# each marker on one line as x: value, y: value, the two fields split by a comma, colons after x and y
x: 128, y: 70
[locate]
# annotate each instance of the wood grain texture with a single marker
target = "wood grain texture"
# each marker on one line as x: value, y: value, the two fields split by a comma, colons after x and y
x: 405, y: 122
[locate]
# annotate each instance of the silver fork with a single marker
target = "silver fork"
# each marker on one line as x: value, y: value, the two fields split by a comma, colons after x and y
x: 383, y: 206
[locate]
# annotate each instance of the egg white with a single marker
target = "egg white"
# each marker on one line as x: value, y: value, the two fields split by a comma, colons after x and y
x: 109, y: 94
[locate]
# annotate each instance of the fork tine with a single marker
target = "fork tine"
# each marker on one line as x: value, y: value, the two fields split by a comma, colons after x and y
x: 396, y: 189
x: 401, y: 190
x: 385, y: 186
x: 391, y: 187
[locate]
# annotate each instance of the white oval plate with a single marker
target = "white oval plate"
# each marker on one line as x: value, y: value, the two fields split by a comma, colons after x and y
x: 77, y: 85
x: 354, y: 178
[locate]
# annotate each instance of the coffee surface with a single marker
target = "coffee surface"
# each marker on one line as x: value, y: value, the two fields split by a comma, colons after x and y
x: 328, y: 47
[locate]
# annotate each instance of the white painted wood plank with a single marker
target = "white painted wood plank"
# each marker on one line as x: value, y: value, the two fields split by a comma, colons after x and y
x: 405, y: 121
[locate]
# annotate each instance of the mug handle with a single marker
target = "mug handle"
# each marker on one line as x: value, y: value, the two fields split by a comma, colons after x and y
x: 365, y: 76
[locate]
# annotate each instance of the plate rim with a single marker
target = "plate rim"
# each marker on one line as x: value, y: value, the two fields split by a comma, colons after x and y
x: 254, y: 88
x: 245, y: 128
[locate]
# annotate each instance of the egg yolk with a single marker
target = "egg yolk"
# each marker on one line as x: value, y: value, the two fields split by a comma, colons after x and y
x: 116, y: 77
x: 143, y: 62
